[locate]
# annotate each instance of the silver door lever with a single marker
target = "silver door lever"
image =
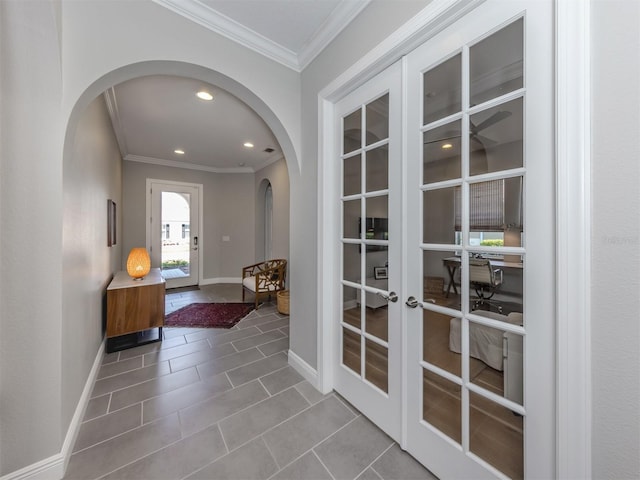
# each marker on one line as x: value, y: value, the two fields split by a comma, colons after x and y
x: 412, y: 302
x: 392, y: 297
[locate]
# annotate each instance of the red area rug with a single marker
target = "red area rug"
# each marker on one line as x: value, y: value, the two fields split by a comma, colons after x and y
x: 208, y: 315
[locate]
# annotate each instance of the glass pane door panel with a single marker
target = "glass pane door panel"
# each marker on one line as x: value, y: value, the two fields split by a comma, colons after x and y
x: 377, y: 120
x: 439, y: 215
x: 441, y: 278
x: 352, y: 132
x: 496, y: 64
x: 496, y: 213
x: 351, y: 218
x: 441, y: 405
x: 441, y: 344
x: 377, y: 269
x: 351, y: 262
x: 377, y: 321
x: 497, y: 286
x: 442, y: 90
x: 378, y: 169
x: 441, y: 154
x: 176, y: 234
x: 496, y: 435
x: 351, y: 306
x: 496, y: 138
x: 352, y: 175
x: 377, y: 208
x: 351, y: 350
x: 376, y: 365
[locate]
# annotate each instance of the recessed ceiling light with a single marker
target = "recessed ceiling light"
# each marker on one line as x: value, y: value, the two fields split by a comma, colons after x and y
x: 204, y: 95
x: 447, y: 146
x: 248, y: 144
x: 179, y: 151
x: 241, y: 164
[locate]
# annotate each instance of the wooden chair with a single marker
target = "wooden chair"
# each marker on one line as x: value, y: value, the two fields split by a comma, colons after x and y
x: 264, y: 279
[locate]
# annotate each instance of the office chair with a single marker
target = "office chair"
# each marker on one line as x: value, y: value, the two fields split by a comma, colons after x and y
x: 485, y: 280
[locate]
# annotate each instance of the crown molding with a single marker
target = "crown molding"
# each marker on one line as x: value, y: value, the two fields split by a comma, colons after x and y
x: 341, y: 16
x: 269, y: 161
x: 185, y: 165
x: 227, y: 27
x: 112, y: 108
x: 215, y: 21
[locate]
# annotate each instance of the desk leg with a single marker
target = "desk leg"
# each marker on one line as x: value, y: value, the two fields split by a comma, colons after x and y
x: 452, y: 283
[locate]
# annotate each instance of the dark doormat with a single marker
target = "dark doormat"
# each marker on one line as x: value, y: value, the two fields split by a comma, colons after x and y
x: 208, y: 315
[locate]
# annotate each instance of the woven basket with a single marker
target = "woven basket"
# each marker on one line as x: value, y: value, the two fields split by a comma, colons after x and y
x: 283, y: 302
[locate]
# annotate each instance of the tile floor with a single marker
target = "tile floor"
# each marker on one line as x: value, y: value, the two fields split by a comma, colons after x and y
x: 224, y: 404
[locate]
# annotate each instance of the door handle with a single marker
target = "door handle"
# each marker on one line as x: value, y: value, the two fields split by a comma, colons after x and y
x: 392, y: 297
x: 412, y: 302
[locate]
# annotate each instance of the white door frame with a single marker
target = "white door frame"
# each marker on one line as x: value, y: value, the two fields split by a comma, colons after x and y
x: 573, y: 210
x: 199, y: 188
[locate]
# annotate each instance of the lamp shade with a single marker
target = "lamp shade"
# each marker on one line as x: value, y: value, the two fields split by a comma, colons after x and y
x: 138, y: 263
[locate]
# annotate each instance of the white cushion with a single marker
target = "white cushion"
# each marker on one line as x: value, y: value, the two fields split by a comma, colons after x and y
x: 250, y: 283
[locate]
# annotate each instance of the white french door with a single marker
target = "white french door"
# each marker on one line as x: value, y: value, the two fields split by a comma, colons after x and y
x: 467, y: 382
x: 368, y: 362
x: 173, y: 230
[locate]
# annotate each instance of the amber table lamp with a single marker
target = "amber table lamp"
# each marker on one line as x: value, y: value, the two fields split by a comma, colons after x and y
x: 138, y: 263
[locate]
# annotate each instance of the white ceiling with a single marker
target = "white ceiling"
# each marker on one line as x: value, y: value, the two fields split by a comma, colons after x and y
x: 155, y: 115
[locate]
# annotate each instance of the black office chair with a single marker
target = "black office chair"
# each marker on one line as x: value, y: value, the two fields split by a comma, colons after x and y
x: 485, y: 280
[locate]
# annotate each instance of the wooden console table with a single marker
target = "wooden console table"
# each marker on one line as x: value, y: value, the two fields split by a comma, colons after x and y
x: 133, y: 308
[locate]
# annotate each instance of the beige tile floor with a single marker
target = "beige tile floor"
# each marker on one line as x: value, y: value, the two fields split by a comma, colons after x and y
x: 224, y: 404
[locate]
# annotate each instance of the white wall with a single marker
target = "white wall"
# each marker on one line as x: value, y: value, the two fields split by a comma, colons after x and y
x: 30, y: 244
x: 228, y: 209
x: 91, y: 175
x: 276, y: 174
x: 377, y: 21
x: 616, y: 239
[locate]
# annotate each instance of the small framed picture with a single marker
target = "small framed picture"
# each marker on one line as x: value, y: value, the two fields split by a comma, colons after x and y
x: 111, y: 223
x: 380, y: 273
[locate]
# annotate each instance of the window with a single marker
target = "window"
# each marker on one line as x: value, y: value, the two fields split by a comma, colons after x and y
x: 185, y: 230
x: 165, y: 231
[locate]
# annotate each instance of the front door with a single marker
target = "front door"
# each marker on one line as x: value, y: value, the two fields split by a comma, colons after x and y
x: 173, y: 231
x: 469, y: 348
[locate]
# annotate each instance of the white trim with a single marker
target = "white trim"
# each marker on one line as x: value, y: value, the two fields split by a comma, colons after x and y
x: 221, y: 24
x: 114, y: 113
x: 216, y: 280
x: 341, y: 16
x: 309, y: 373
x: 573, y: 223
x: 47, y: 469
x: 55, y: 466
x: 204, y: 168
x: 434, y: 18
x: 217, y: 22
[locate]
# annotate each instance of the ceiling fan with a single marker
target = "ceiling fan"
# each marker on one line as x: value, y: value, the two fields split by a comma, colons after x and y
x: 474, y: 130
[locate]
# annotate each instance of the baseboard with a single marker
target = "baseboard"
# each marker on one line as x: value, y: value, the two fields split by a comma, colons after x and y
x: 214, y: 281
x: 309, y: 373
x: 51, y: 468
x: 54, y: 467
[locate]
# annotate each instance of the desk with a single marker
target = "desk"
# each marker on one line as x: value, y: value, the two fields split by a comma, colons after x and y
x: 453, y: 263
x: 133, y: 307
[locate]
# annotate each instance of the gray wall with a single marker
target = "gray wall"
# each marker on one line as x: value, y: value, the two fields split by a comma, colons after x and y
x: 31, y: 240
x: 276, y: 174
x: 228, y: 208
x: 616, y: 239
x: 92, y: 174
